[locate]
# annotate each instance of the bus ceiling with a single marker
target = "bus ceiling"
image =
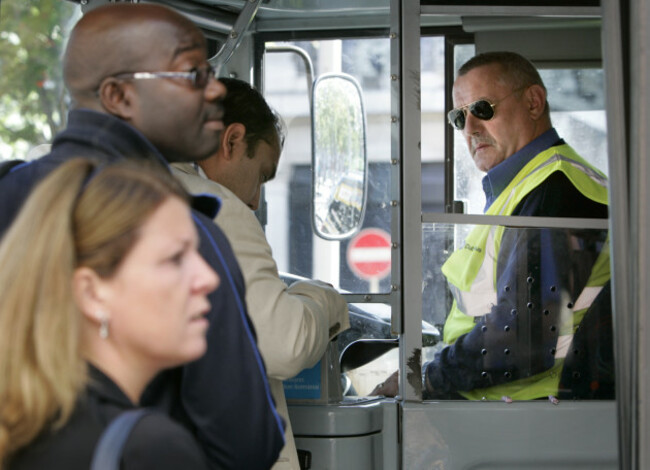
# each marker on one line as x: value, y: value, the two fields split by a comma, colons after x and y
x: 523, y: 27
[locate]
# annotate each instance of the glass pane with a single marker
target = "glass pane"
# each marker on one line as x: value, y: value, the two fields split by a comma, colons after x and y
x: 289, y: 231
x: 577, y: 101
x: 524, y: 312
x: 432, y: 65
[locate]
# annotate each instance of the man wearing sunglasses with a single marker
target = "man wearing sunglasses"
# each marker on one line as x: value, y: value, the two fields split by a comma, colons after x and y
x: 519, y: 294
x: 142, y: 88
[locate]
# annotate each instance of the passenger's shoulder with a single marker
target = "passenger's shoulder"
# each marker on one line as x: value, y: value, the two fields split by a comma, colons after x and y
x: 190, y: 179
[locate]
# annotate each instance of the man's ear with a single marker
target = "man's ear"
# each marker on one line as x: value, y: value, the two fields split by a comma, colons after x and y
x: 116, y: 97
x: 90, y: 294
x: 232, y: 140
x: 536, y: 101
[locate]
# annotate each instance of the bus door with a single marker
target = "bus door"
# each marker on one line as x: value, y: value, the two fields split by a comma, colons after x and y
x: 423, y: 200
x: 573, y: 429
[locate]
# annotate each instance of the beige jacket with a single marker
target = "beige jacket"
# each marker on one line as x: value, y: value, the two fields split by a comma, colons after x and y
x: 292, y: 323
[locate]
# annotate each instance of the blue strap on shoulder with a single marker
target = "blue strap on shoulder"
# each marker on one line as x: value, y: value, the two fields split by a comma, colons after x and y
x: 6, y: 166
x: 108, y: 451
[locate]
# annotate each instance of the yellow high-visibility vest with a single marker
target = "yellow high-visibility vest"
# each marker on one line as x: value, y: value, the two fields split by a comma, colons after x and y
x: 471, y: 271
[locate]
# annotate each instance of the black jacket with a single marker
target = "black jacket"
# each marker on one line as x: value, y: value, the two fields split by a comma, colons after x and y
x: 155, y: 442
x: 223, y: 397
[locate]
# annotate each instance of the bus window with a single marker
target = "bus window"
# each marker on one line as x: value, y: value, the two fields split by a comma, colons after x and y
x: 509, y: 337
x: 297, y: 250
x: 577, y: 101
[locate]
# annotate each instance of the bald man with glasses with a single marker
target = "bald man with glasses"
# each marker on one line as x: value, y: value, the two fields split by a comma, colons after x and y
x: 519, y: 294
x: 142, y: 89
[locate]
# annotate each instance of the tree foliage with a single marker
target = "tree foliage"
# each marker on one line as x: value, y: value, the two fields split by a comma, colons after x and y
x: 32, y: 96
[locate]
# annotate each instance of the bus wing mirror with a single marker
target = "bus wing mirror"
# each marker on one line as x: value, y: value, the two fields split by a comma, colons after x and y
x: 339, y: 157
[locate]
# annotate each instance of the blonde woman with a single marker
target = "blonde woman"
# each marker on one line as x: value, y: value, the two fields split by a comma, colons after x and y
x: 91, y: 309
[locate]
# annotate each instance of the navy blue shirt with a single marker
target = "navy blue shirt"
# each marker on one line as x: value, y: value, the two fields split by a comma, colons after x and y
x: 499, y: 177
x: 535, y: 269
x: 224, y: 397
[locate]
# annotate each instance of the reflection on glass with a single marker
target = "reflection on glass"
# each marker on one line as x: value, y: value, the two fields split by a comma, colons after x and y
x: 339, y: 156
x: 527, y: 312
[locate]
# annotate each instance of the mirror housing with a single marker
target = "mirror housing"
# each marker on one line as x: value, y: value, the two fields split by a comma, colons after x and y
x: 339, y: 157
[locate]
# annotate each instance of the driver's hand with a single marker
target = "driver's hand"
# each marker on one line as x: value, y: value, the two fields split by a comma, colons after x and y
x: 388, y: 387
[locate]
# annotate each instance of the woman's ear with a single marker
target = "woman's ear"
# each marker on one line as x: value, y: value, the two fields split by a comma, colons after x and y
x: 116, y: 97
x: 232, y: 139
x: 536, y: 101
x: 89, y: 291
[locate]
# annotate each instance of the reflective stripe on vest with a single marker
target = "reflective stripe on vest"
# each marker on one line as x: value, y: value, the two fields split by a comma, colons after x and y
x: 471, y: 271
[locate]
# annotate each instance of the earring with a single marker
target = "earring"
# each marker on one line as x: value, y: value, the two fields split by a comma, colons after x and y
x: 103, y: 326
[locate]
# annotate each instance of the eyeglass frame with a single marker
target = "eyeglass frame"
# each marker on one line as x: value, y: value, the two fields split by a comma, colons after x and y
x: 191, y: 75
x: 466, y: 108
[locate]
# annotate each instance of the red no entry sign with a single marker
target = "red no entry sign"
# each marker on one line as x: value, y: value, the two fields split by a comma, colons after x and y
x: 369, y: 254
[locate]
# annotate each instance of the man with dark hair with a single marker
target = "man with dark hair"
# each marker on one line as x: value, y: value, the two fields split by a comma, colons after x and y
x: 519, y: 294
x: 294, y: 324
x: 142, y: 89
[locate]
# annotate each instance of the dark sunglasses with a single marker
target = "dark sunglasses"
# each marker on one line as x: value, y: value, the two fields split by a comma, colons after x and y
x: 481, y: 109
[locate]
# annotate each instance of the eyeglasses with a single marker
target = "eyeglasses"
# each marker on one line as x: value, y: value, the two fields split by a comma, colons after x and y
x: 481, y: 109
x: 198, y: 77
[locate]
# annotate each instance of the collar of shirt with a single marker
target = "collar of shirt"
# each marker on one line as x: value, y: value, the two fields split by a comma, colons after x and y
x: 105, y: 388
x: 498, y: 178
x: 113, y: 139
x: 199, y: 170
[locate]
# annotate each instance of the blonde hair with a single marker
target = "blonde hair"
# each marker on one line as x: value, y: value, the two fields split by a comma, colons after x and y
x: 82, y: 214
